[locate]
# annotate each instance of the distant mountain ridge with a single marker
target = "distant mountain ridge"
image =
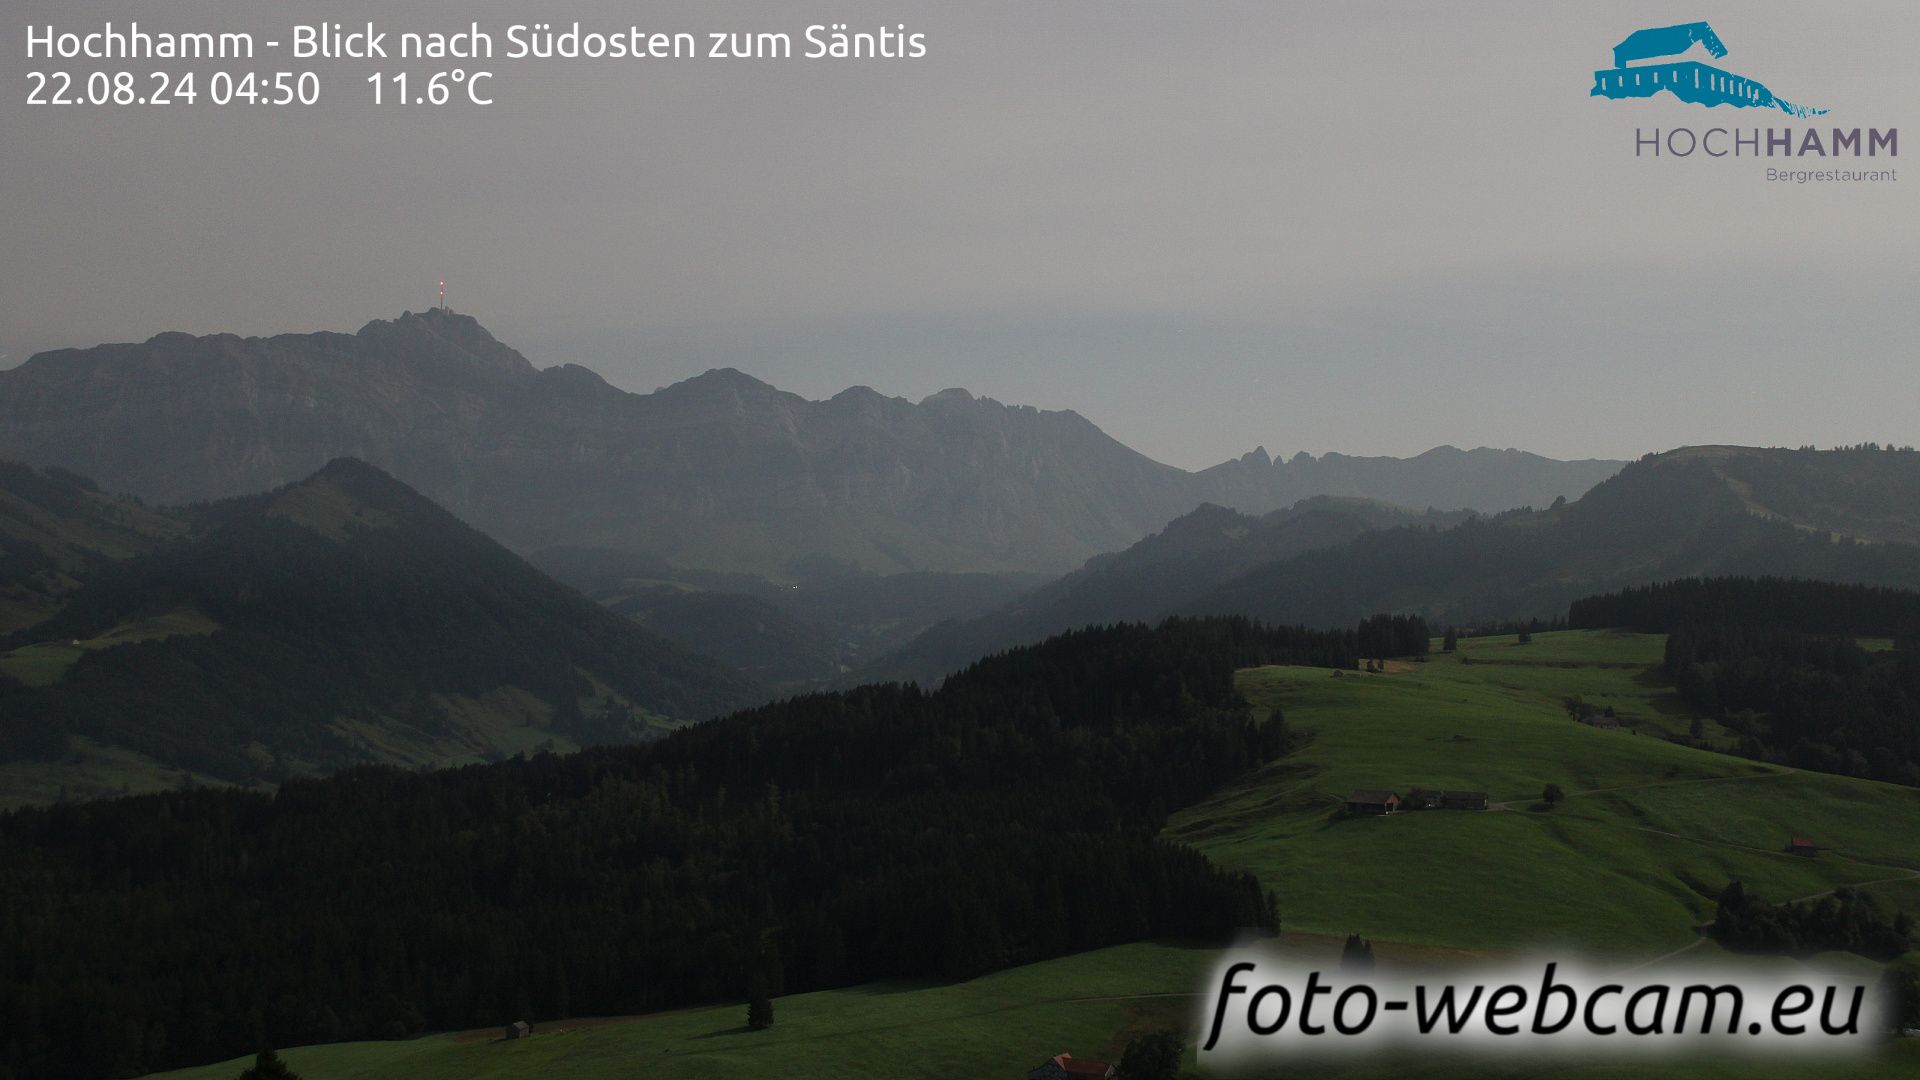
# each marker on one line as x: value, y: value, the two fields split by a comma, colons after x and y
x: 721, y: 471
x: 1443, y: 478
x: 1848, y: 515
x: 1192, y: 556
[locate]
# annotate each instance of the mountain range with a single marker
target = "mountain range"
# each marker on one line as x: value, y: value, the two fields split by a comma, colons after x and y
x: 337, y: 620
x: 1162, y: 574
x: 719, y: 472
x: 1847, y: 515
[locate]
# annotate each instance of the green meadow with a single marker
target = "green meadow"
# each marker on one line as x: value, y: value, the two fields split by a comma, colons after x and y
x: 1627, y: 865
x: 1625, y: 869
x: 46, y: 663
x: 997, y: 1025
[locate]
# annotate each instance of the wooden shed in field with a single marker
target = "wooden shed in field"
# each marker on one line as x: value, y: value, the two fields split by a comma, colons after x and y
x: 1372, y: 803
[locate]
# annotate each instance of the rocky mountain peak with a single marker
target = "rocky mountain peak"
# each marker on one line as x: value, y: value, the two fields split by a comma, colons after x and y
x: 719, y: 471
x: 721, y: 383
x: 439, y: 331
x: 953, y: 395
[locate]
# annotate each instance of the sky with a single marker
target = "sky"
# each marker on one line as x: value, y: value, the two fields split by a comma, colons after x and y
x: 1359, y: 227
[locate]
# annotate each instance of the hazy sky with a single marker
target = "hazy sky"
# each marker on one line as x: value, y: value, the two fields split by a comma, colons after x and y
x: 1365, y: 227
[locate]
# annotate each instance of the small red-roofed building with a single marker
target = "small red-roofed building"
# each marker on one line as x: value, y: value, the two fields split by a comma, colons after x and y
x: 1372, y: 803
x: 1068, y: 1067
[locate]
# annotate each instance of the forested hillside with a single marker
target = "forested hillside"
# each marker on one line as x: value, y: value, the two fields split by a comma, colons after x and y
x: 823, y: 841
x: 1813, y: 607
x: 1784, y: 665
x: 1809, y: 700
x: 342, y: 619
x: 1831, y: 515
x: 55, y: 525
x: 1731, y: 511
x: 1193, y: 555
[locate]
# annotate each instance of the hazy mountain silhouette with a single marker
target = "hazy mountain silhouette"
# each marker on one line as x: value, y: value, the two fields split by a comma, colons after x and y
x: 1843, y: 515
x: 1837, y: 515
x: 1158, y: 576
x: 720, y: 471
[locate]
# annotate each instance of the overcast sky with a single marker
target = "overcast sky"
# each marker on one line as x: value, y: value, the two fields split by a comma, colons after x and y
x: 1370, y: 228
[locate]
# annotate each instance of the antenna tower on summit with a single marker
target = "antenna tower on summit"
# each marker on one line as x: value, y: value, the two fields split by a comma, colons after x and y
x: 443, y: 296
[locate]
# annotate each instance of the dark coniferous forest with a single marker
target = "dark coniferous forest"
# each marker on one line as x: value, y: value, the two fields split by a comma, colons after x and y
x: 1780, y: 663
x: 826, y: 840
x: 1394, y: 635
x: 341, y: 604
x: 1813, y: 607
x: 1846, y: 921
x: 1812, y: 701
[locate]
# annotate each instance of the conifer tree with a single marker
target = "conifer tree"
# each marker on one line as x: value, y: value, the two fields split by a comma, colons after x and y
x: 759, y: 1005
x: 268, y: 1066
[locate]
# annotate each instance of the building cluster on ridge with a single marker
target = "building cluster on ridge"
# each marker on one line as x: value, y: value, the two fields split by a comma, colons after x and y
x: 1378, y: 802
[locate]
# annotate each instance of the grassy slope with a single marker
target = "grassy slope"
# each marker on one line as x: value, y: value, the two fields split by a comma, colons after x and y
x: 72, y: 528
x: 1649, y: 835
x: 91, y: 769
x: 1601, y: 872
x: 46, y: 663
x: 984, y: 1027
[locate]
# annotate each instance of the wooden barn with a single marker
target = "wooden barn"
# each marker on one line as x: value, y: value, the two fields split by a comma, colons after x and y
x: 1372, y: 803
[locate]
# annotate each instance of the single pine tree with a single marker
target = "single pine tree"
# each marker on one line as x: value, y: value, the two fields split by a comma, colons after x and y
x: 759, y: 1005
x: 268, y: 1066
x: 1357, y: 954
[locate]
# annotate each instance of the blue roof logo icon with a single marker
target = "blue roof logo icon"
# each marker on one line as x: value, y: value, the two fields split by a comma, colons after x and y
x: 1688, y: 80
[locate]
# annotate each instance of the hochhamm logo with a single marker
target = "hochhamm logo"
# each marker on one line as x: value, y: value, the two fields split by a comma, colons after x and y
x: 1658, y: 60
x: 1688, y: 80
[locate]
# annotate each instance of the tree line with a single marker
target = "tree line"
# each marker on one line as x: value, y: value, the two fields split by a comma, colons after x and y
x: 1813, y: 701
x: 1394, y: 635
x: 831, y: 839
x: 1812, y: 607
x: 1779, y: 662
x: 1845, y: 921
